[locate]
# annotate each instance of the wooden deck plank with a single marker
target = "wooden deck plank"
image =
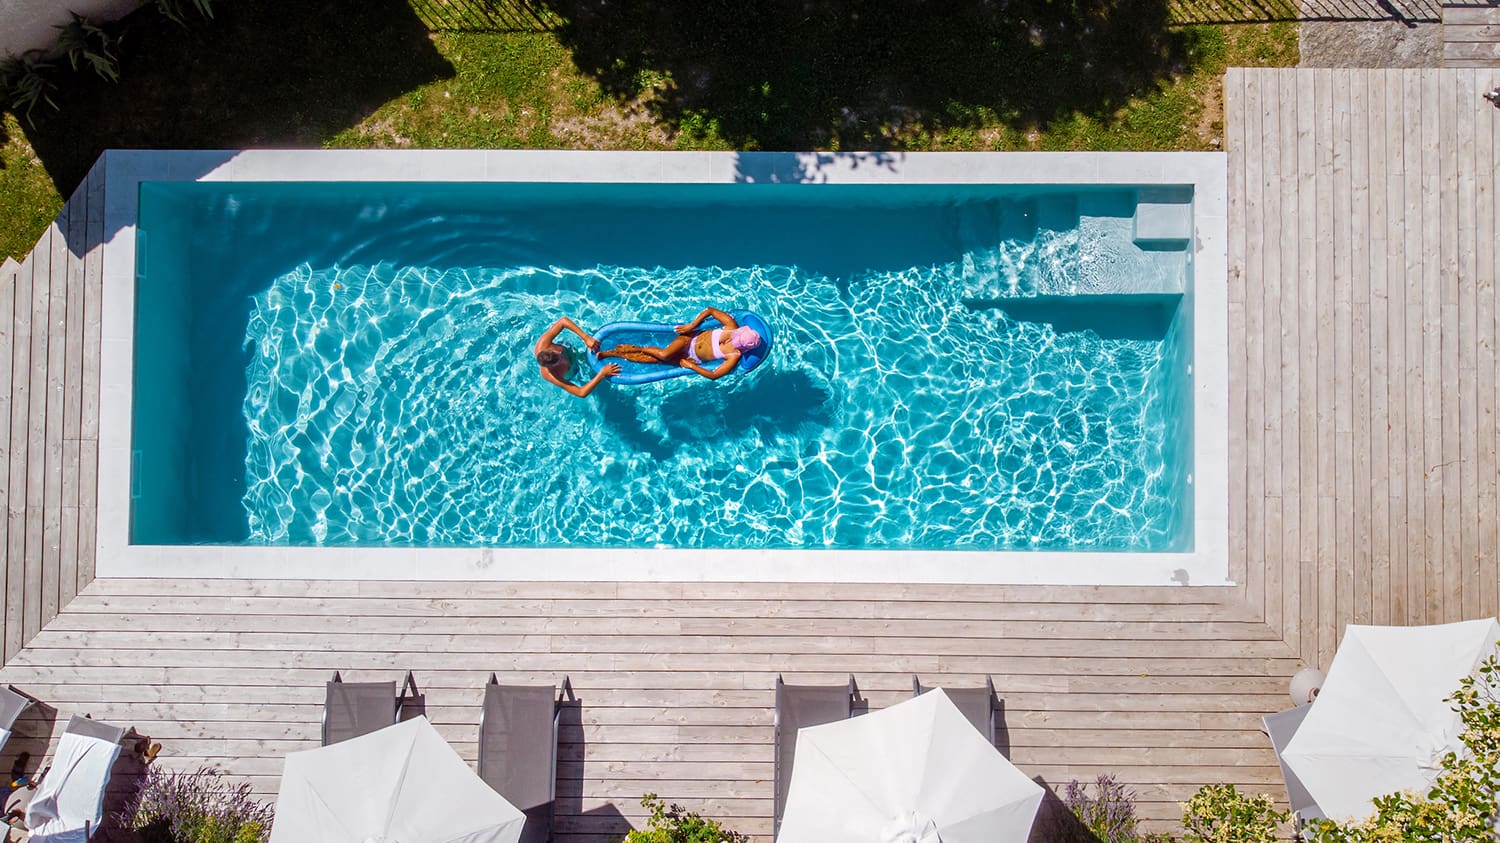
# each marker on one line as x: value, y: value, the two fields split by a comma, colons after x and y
x: 1326, y: 363
x: 1291, y: 374
x: 88, y: 421
x: 1307, y: 286
x: 1465, y: 479
x: 1416, y: 230
x: 1432, y: 338
x: 1480, y: 32
x: 1254, y: 336
x: 1378, y: 426
x: 1448, y: 333
x: 1345, y: 496
x: 1471, y: 53
x: 1487, y: 136
x: 36, y: 437
x: 55, y: 375
x: 20, y: 408
x: 1395, y: 340
x: 1476, y: 15
x: 1361, y: 485
x: 1269, y: 581
x: 73, y: 393
x: 9, y: 278
x: 1234, y: 92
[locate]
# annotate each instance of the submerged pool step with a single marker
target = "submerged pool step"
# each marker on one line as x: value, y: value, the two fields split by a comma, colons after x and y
x: 1164, y: 217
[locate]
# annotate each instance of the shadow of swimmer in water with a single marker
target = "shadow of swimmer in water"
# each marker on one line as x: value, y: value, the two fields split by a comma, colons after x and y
x: 774, y: 403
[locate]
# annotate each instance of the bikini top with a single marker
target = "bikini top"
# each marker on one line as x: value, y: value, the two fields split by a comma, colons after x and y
x: 713, y: 338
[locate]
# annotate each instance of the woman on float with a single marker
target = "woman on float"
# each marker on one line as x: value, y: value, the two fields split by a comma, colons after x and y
x: 693, y: 348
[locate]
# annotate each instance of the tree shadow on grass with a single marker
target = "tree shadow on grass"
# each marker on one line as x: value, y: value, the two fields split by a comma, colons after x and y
x: 800, y: 74
x: 272, y: 73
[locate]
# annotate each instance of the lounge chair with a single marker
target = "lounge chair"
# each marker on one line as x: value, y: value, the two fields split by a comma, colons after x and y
x: 352, y: 709
x: 977, y: 704
x: 69, y: 801
x: 518, y: 749
x: 799, y: 706
x: 1280, y: 727
x: 12, y: 703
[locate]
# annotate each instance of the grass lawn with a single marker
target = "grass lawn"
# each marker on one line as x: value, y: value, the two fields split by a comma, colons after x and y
x: 662, y: 75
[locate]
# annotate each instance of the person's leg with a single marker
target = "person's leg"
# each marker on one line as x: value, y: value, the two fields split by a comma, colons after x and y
x: 633, y: 353
x: 646, y: 353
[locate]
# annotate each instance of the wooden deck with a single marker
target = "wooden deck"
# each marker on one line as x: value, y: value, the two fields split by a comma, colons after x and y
x: 1471, y: 35
x: 1363, y: 489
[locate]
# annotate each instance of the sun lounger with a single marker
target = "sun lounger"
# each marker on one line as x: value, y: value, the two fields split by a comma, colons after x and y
x: 352, y: 709
x: 69, y: 802
x: 518, y: 749
x: 977, y: 704
x: 799, y: 706
x: 1280, y: 727
x: 12, y: 703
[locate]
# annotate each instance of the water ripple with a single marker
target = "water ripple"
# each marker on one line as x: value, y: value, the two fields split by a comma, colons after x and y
x: 397, y: 405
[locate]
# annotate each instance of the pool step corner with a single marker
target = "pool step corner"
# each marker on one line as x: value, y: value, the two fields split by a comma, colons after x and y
x: 1163, y: 217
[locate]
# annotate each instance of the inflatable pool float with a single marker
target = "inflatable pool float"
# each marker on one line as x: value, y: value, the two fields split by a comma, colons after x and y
x: 659, y: 334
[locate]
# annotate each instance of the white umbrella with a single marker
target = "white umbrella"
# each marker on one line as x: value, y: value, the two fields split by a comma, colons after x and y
x: 1380, y: 724
x: 916, y: 772
x: 402, y: 784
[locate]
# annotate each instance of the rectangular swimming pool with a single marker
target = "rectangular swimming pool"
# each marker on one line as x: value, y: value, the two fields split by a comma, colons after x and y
x: 962, y: 370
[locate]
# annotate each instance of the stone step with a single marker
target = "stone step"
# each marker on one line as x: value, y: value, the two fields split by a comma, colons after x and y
x: 1163, y: 216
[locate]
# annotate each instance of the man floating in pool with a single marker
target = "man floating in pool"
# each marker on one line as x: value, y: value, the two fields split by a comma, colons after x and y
x: 557, y: 363
x: 693, y: 348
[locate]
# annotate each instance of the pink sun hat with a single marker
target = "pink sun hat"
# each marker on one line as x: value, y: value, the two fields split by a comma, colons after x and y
x: 744, y: 338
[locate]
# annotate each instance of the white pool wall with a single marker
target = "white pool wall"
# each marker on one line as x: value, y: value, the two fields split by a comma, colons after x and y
x: 1205, y: 564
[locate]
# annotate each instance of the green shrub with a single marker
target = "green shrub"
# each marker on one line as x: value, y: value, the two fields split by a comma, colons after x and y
x: 88, y: 45
x: 26, y: 82
x: 176, y: 11
x: 1218, y: 813
x: 676, y: 824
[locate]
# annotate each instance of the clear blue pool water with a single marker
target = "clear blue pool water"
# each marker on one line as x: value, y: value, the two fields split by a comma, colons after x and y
x: 969, y: 367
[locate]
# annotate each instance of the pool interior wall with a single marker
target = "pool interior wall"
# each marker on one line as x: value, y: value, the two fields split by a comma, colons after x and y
x: 205, y: 251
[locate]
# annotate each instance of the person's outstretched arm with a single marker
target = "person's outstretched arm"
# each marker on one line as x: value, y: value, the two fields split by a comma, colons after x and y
x: 608, y: 371
x: 589, y: 341
x: 724, y: 319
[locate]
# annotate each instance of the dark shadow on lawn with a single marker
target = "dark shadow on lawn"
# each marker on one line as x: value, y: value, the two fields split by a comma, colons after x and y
x: 819, y: 74
x: 272, y: 73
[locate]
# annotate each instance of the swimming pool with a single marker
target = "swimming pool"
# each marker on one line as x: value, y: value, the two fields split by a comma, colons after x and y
x: 960, y: 366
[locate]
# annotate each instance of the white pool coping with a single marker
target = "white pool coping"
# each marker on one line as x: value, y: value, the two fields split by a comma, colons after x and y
x: 1207, y: 564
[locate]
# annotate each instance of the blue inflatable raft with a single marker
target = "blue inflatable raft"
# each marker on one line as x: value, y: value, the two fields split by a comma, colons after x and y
x: 660, y: 334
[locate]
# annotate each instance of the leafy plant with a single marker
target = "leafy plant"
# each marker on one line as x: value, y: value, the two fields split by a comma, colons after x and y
x: 676, y: 824
x: 26, y: 82
x: 1218, y: 813
x: 196, y: 807
x: 86, y: 44
x: 176, y: 11
x: 1461, y: 805
x: 1109, y: 815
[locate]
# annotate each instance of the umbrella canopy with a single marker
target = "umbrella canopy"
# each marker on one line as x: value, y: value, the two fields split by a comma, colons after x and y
x: 912, y: 773
x: 1380, y: 724
x: 402, y: 784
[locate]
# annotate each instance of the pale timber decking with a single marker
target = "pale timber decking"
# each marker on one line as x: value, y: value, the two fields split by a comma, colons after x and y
x: 1363, y: 489
x: 1471, y: 34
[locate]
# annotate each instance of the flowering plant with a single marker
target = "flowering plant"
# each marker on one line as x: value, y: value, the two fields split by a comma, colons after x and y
x: 1109, y: 815
x: 196, y: 807
x: 677, y: 824
x: 1218, y: 813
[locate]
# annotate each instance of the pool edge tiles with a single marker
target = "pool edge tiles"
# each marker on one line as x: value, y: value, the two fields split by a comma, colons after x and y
x: 1206, y: 564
